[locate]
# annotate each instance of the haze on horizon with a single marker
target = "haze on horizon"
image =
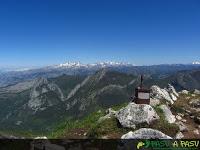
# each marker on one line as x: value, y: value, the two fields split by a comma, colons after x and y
x: 40, y: 33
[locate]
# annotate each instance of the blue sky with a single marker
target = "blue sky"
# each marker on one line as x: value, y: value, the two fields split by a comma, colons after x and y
x: 44, y: 32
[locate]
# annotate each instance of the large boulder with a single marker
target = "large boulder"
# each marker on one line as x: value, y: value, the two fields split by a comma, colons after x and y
x: 159, y: 93
x: 168, y: 93
x: 134, y: 114
x: 145, y: 133
x: 168, y: 114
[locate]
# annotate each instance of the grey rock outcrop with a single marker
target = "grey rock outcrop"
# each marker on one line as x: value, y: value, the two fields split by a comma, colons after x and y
x: 184, y: 92
x: 169, y: 94
x: 178, y: 117
x: 196, y: 131
x: 110, y: 113
x: 77, y: 87
x: 196, y: 92
x: 182, y: 126
x: 179, y: 135
x: 154, y: 102
x: 41, y: 87
x: 172, y: 90
x: 159, y: 93
x: 168, y: 114
x: 145, y: 133
x: 195, y: 103
x: 134, y: 114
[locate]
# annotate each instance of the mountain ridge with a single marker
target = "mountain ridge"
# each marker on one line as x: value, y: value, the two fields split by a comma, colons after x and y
x: 10, y: 78
x: 69, y: 97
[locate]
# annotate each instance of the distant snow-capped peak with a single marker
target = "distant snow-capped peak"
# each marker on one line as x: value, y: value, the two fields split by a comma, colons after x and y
x: 99, y: 64
x: 113, y: 63
x: 196, y: 63
x: 71, y: 64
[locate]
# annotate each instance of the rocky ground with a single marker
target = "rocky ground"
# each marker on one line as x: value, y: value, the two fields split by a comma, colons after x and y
x: 169, y: 115
x: 187, y: 110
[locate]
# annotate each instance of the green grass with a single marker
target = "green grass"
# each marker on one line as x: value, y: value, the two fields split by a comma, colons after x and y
x: 177, y: 109
x: 62, y: 128
x: 109, y: 127
x: 162, y: 125
x: 118, y: 107
x: 183, y: 103
x: 88, y: 122
x: 20, y: 133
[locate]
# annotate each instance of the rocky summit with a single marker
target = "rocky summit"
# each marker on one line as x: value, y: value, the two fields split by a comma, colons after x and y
x: 134, y: 114
x: 169, y: 94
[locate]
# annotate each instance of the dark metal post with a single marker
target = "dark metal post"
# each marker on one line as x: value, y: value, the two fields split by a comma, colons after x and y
x: 141, y: 84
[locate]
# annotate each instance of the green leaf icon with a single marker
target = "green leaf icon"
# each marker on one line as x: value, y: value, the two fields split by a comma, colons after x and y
x: 140, y: 144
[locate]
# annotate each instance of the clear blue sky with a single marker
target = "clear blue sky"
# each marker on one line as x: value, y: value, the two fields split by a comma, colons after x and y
x: 43, y: 32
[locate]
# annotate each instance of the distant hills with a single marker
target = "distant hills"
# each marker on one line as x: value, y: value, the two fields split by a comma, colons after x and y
x: 196, y: 63
x: 36, y: 105
x: 36, y: 100
x: 77, y: 68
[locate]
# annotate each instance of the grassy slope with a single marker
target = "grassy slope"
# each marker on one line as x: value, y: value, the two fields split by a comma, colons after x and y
x: 109, y: 128
x: 88, y: 124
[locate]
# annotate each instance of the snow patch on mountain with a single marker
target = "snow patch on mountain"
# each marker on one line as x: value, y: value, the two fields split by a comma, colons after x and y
x: 196, y: 63
x: 71, y: 64
x: 93, y: 65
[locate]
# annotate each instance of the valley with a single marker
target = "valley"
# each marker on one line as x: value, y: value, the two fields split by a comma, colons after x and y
x: 65, y: 104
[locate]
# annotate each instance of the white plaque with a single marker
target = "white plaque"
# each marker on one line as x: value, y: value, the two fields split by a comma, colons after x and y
x: 142, y: 95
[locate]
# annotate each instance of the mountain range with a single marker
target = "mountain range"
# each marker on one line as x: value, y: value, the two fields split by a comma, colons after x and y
x: 77, y: 68
x: 39, y: 102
